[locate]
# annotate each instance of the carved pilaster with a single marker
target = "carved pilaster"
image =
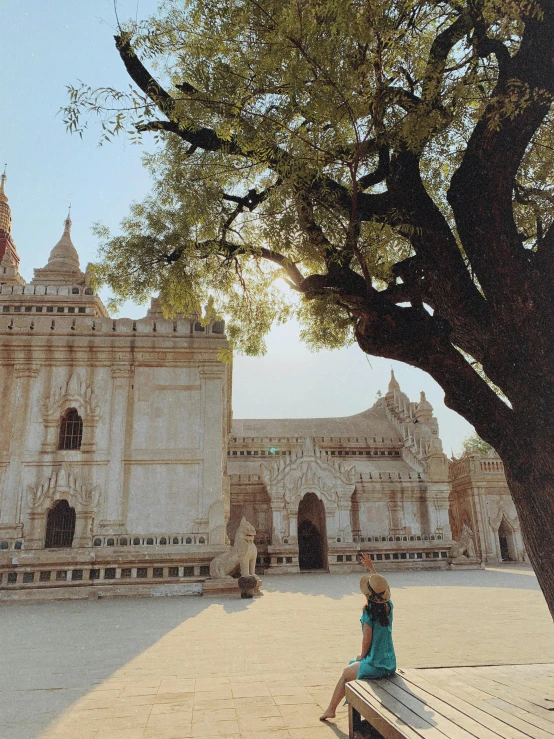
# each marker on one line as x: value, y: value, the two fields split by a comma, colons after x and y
x: 113, y: 523
x: 277, y: 510
x: 10, y: 515
x: 211, y: 488
x: 344, y: 510
x: 396, y: 509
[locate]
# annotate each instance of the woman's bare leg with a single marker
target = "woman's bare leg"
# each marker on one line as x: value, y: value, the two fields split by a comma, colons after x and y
x: 349, y: 673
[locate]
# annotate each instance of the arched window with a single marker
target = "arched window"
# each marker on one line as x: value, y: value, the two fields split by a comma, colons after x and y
x: 60, y: 526
x: 71, y: 430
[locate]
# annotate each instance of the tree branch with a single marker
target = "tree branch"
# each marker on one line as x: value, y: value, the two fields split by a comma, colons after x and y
x: 380, y: 174
x: 207, y: 139
x: 203, y: 138
x: 438, y: 267
x: 413, y: 336
x: 481, y: 189
x: 142, y: 77
x: 438, y: 54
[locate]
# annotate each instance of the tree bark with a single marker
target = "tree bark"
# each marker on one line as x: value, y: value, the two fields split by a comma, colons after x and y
x: 529, y: 469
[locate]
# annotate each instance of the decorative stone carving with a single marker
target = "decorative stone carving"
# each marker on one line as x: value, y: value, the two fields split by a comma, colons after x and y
x: 76, y: 393
x: 241, y: 558
x: 498, y: 509
x: 62, y: 484
x: 464, y: 549
x: 308, y: 470
x: 26, y: 370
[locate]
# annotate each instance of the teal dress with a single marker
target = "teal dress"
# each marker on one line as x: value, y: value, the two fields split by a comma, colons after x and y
x: 381, y: 659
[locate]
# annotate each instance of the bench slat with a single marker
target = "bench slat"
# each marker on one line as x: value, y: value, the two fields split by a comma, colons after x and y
x: 420, y: 706
x: 489, y: 702
x: 447, y: 705
x: 515, y: 704
x: 515, y: 728
x: 464, y: 702
x: 386, y: 722
x: 526, y: 709
x: 422, y: 726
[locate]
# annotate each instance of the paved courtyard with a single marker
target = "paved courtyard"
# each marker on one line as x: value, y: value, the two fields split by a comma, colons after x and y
x: 173, y: 668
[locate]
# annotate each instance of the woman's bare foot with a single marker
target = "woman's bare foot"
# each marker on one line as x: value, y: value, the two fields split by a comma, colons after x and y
x: 328, y: 714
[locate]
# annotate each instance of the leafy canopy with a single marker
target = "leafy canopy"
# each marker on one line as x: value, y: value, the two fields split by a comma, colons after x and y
x: 304, y: 146
x: 474, y: 444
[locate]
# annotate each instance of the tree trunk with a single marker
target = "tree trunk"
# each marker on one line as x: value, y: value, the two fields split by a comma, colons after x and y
x: 523, y: 435
x: 530, y: 476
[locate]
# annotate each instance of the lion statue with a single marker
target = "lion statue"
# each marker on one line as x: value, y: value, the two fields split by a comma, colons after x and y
x: 241, y: 558
x: 465, y: 547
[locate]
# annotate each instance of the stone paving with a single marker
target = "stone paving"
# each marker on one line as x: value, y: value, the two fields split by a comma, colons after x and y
x: 174, y: 668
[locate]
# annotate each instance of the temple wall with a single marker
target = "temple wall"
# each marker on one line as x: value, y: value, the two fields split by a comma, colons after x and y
x: 480, y: 499
x: 155, y: 420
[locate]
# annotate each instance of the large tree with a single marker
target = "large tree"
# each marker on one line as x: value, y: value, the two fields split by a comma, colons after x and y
x: 391, y: 161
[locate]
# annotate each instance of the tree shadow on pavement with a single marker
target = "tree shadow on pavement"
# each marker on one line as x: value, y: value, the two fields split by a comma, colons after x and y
x: 54, y: 653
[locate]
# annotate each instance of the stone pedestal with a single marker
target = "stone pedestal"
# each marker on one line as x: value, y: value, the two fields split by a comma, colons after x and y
x: 228, y: 586
x: 221, y: 586
x: 249, y: 586
x: 466, y: 563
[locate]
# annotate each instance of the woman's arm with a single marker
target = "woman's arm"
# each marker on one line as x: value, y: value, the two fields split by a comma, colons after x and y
x: 366, y: 641
x: 367, y: 562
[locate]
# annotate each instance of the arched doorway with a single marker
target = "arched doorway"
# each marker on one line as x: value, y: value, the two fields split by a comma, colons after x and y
x: 312, y: 534
x: 506, y: 541
x: 60, y: 526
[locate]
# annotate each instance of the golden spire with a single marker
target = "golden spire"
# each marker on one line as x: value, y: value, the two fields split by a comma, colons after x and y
x: 5, y: 212
x: 3, y: 197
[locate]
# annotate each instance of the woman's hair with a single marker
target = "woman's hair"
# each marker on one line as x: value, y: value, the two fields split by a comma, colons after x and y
x: 377, y: 612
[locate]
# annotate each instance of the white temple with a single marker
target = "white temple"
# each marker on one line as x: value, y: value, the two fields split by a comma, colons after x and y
x: 121, y: 466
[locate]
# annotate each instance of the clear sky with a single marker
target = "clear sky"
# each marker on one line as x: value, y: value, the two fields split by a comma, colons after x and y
x: 45, y: 47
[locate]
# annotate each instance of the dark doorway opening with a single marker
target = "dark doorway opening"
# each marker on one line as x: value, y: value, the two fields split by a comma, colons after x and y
x: 60, y: 526
x: 312, y: 537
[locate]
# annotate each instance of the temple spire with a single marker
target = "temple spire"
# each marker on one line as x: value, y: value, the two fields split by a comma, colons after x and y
x: 3, y: 179
x: 7, y: 245
x: 63, y: 263
x: 393, y: 384
x: 5, y: 212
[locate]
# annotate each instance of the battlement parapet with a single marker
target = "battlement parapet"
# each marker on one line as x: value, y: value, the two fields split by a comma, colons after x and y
x: 46, y: 290
x: 67, y: 325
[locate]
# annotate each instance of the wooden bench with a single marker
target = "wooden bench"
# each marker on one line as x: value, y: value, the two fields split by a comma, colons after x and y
x: 500, y: 702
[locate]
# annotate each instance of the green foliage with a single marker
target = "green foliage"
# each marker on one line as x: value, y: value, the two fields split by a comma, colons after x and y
x: 302, y: 97
x: 474, y: 444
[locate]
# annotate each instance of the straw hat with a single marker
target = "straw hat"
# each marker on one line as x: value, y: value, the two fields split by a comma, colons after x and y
x: 376, y: 588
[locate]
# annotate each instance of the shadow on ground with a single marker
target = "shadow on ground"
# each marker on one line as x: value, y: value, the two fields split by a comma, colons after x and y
x: 54, y: 653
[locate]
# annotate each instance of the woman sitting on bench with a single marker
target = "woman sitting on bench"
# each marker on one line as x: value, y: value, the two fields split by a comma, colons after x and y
x: 377, y: 658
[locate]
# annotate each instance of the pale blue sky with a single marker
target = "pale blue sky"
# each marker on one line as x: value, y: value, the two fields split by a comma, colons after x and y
x: 48, y: 45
